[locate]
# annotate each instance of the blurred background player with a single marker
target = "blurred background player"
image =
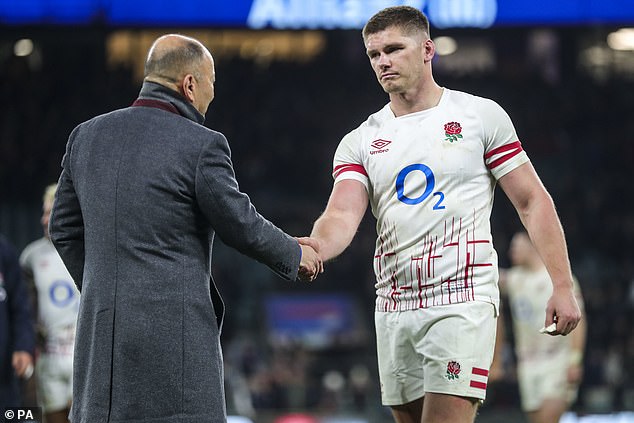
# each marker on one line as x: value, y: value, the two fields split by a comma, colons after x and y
x: 549, y: 368
x: 16, y: 328
x: 57, y: 302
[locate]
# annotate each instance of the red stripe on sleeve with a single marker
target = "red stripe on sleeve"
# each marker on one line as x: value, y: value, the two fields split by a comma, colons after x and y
x: 503, y: 148
x: 479, y: 385
x: 348, y: 168
x: 508, y: 151
x: 480, y: 372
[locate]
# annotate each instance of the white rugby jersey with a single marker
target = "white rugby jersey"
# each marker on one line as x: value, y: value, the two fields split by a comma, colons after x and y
x: 57, y: 295
x: 528, y: 292
x: 430, y: 177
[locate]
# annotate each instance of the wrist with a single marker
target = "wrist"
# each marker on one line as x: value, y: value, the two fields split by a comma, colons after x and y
x: 562, y: 283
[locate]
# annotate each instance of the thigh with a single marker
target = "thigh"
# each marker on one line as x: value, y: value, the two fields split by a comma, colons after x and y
x: 411, y: 412
x: 458, y: 349
x: 443, y: 408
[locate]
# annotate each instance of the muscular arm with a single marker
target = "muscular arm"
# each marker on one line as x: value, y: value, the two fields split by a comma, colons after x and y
x: 537, y: 212
x: 336, y: 227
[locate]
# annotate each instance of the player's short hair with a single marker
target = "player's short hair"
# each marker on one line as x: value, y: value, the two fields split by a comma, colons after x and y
x: 173, y: 62
x: 409, y: 19
x: 49, y: 193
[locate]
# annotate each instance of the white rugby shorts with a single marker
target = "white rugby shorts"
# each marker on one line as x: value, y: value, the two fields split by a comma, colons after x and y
x: 443, y: 349
x: 545, y: 378
x: 54, y: 383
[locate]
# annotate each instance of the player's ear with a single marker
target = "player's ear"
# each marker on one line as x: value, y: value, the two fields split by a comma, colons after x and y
x: 188, y: 86
x: 429, y: 50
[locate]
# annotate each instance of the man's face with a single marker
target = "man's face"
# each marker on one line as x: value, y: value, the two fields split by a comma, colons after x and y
x: 205, y: 85
x: 397, y: 59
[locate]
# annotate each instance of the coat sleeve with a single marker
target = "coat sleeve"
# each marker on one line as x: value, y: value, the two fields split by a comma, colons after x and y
x: 22, y: 334
x: 66, y: 225
x: 235, y: 219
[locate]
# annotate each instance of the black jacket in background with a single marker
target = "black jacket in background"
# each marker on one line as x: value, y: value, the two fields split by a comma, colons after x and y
x: 16, y: 324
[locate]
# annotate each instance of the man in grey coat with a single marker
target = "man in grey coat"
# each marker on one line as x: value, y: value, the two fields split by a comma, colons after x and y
x: 142, y: 192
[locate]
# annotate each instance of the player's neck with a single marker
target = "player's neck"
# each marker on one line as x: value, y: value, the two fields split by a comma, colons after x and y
x: 416, y: 100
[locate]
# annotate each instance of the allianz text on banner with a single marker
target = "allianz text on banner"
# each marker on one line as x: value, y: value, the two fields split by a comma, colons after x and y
x: 351, y: 14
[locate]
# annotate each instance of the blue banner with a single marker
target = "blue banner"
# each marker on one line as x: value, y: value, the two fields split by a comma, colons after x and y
x: 311, y: 14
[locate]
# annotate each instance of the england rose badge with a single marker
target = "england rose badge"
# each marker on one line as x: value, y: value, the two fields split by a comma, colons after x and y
x: 453, y: 131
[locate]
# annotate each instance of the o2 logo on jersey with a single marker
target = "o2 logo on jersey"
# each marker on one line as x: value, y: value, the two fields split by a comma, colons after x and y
x: 61, y: 293
x: 429, y: 186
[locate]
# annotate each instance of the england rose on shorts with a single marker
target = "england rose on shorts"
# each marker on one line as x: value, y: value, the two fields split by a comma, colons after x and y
x: 430, y: 177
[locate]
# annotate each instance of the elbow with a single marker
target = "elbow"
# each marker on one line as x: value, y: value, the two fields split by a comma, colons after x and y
x: 534, y: 204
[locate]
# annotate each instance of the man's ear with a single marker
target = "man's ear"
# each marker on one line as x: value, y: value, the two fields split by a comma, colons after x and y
x: 188, y: 84
x: 429, y: 50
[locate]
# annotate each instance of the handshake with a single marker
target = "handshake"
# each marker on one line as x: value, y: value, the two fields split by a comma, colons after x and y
x: 311, y: 264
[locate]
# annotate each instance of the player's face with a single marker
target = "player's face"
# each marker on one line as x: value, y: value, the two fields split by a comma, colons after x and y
x: 46, y: 215
x: 521, y: 249
x: 398, y: 60
x: 205, y: 85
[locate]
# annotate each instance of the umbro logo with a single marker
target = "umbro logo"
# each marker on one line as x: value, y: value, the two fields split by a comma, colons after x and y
x: 378, y: 146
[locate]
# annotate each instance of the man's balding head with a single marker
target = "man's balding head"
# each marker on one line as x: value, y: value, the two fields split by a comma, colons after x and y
x: 185, y: 65
x: 172, y: 56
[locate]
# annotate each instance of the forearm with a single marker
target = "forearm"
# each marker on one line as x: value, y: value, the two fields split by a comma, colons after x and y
x: 537, y: 212
x: 336, y: 227
x: 544, y: 228
x: 334, y: 234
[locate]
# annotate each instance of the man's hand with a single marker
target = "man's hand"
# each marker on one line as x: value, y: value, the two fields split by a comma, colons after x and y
x: 311, y: 264
x: 22, y: 360
x: 562, y: 309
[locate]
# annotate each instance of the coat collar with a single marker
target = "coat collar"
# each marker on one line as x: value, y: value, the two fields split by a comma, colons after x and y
x: 155, y: 91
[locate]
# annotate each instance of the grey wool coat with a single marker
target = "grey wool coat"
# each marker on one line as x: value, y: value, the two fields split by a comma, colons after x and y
x: 142, y: 192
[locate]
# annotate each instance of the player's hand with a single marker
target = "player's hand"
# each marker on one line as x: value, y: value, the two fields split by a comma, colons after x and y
x: 311, y: 264
x: 314, y: 243
x: 563, y: 310
x: 21, y: 361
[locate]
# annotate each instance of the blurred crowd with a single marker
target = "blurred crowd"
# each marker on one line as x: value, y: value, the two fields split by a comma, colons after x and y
x: 283, y: 122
